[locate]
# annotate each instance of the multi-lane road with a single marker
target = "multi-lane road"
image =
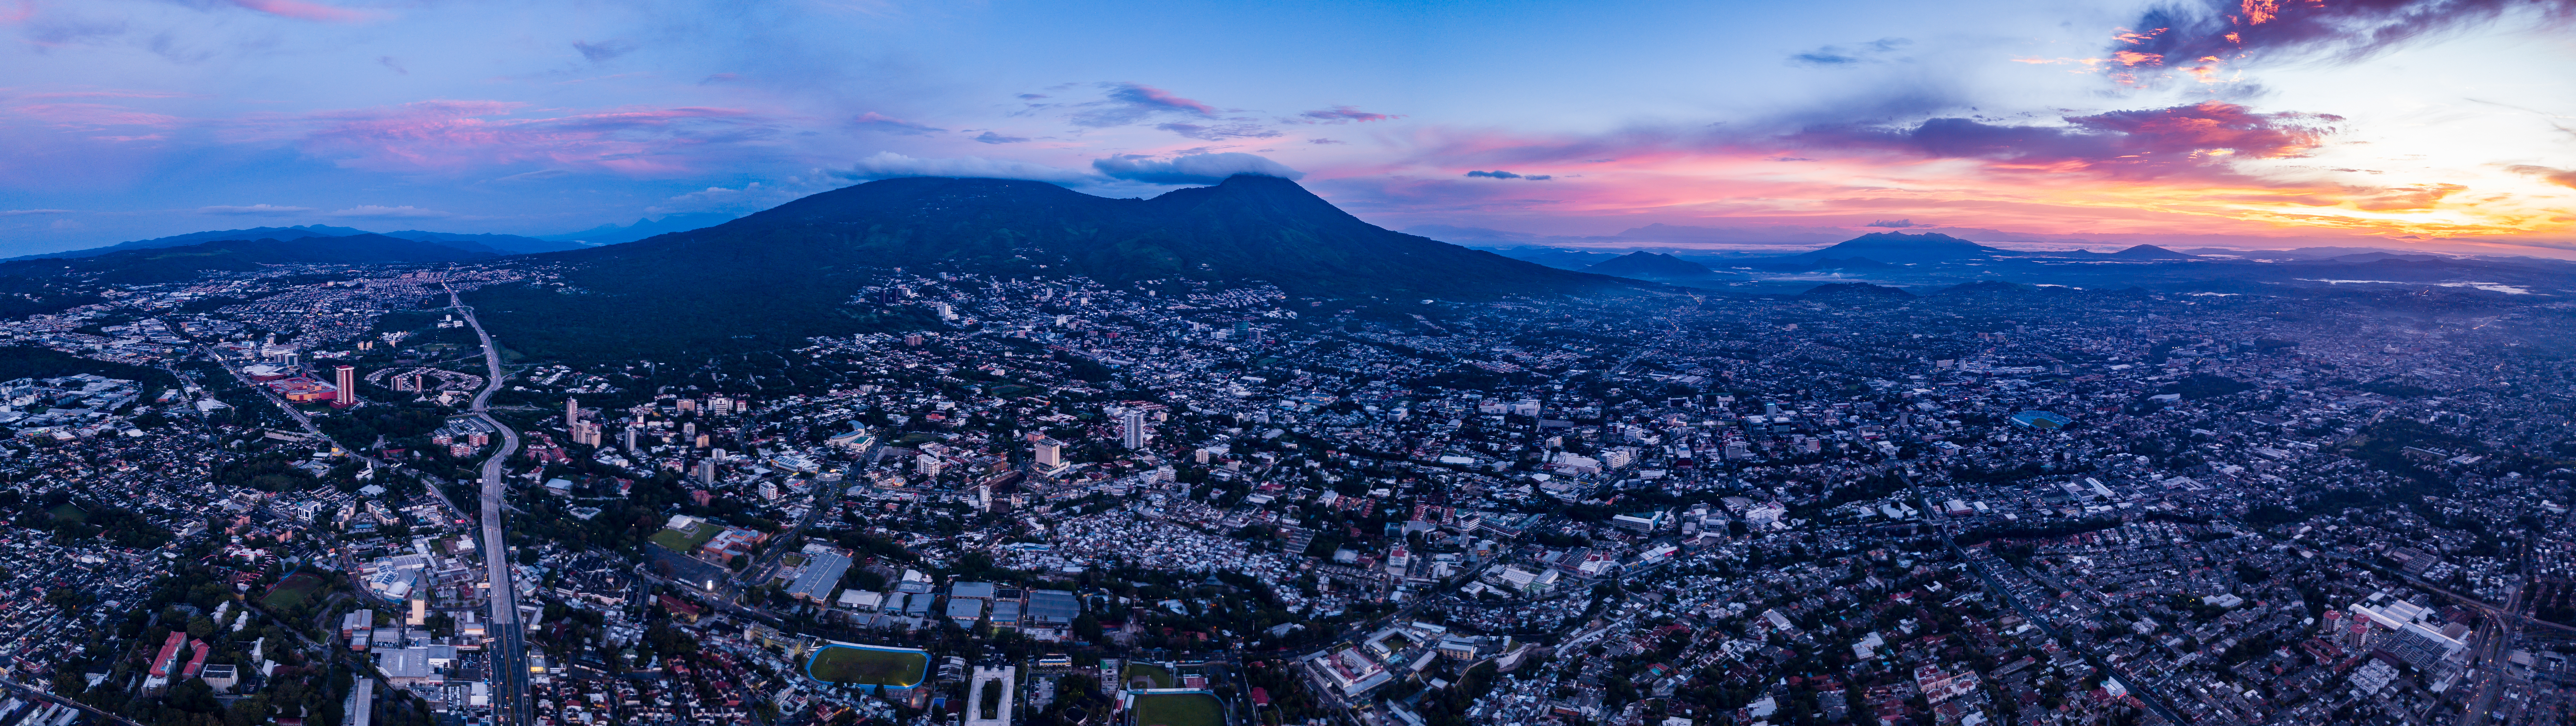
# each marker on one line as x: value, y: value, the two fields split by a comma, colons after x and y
x: 506, y: 646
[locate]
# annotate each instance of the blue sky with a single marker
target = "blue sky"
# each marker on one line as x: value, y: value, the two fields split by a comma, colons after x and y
x: 2250, y: 122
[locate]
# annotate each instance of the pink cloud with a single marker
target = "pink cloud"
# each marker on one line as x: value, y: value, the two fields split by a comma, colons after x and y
x: 300, y: 10
x: 2191, y: 141
x: 1144, y: 95
x: 448, y: 135
x: 90, y: 115
x: 2209, y: 30
x: 2194, y: 142
x: 1128, y: 103
x: 2141, y: 171
x: 102, y: 93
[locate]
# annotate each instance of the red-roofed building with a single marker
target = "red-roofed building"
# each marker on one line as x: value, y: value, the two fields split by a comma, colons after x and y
x: 168, y: 660
x: 196, y: 662
x: 304, y: 390
x: 1260, y: 697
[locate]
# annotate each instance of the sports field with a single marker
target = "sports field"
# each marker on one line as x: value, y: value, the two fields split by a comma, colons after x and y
x: 684, y: 541
x: 1179, y: 709
x: 295, y: 590
x: 868, y: 666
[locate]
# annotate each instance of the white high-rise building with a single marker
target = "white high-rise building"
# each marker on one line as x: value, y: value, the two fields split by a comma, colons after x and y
x: 1131, y: 429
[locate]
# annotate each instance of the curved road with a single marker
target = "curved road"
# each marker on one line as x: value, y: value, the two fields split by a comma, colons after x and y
x: 506, y: 646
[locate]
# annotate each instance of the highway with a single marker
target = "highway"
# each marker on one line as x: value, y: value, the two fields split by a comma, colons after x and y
x: 2487, y: 667
x: 2487, y: 670
x: 506, y: 647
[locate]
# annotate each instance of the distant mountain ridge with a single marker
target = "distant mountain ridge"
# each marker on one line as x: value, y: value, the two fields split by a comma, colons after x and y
x: 2151, y: 252
x: 1651, y: 266
x: 1562, y: 259
x: 181, y: 240
x: 497, y: 244
x: 1899, y: 247
x: 781, y: 275
x: 1248, y: 227
x: 172, y: 264
x: 643, y: 228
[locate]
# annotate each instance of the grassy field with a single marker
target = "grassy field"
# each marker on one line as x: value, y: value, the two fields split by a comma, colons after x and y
x: 842, y: 664
x: 686, y: 541
x: 1179, y: 709
x: 68, y: 513
x: 1154, y: 676
x: 295, y: 590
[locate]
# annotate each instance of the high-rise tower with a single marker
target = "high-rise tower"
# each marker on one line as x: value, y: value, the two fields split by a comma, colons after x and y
x: 1131, y: 429
x: 346, y: 377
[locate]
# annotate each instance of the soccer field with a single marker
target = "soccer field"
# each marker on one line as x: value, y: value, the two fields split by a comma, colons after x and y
x: 295, y: 590
x: 1179, y: 709
x: 685, y: 541
x: 868, y: 666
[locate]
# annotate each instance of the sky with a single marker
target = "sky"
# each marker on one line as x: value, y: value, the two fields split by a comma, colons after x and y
x: 2438, y: 124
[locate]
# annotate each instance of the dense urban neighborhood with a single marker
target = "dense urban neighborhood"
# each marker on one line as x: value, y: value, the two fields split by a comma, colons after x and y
x: 258, y: 498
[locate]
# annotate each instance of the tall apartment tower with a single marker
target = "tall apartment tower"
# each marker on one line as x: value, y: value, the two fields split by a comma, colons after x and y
x: 572, y: 412
x: 1131, y: 429
x: 1050, y: 454
x: 346, y: 377
x: 629, y: 437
